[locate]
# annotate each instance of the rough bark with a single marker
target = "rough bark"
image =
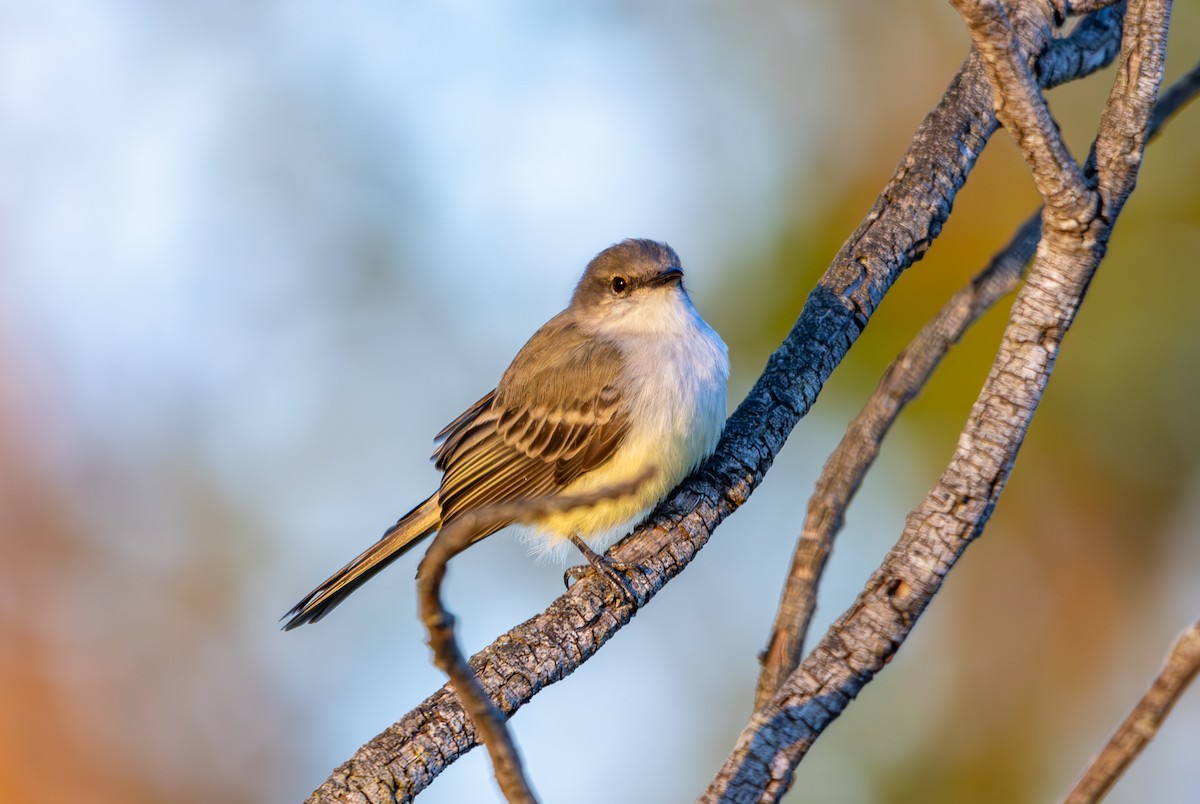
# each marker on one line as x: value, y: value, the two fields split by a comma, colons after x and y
x: 901, y: 225
x: 902, y: 381
x: 848, y: 464
x: 1077, y: 220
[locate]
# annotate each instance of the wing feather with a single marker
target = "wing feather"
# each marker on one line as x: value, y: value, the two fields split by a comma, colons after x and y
x: 556, y: 414
x: 453, y: 434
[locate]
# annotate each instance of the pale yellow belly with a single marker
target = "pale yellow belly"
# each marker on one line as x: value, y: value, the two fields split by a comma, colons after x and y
x: 672, y: 447
x: 593, y: 523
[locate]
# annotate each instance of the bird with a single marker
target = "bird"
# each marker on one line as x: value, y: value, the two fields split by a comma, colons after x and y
x: 627, y: 376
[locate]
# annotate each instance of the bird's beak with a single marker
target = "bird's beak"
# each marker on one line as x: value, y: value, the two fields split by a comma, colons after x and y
x: 671, y: 276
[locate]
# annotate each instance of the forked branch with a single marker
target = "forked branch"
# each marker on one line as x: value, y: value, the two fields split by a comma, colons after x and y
x: 902, y: 381
x: 848, y: 464
x: 866, y: 636
x: 904, y: 220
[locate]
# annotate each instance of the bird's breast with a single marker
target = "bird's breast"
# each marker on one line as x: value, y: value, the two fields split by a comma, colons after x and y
x: 674, y: 385
x: 678, y: 410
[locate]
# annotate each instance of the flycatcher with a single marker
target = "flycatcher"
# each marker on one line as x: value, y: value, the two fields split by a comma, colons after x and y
x: 628, y: 376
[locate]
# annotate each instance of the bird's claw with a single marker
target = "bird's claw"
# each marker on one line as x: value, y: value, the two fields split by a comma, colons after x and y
x: 614, y: 571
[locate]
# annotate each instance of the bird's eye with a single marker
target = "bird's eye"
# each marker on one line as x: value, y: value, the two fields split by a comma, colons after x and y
x: 619, y: 284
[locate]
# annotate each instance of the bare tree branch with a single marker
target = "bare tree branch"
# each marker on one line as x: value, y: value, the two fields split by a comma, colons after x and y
x: 865, y: 637
x: 1077, y: 8
x: 1091, y: 46
x: 1124, y: 126
x: 848, y: 464
x: 1181, y: 666
x: 1022, y: 110
x: 902, y: 381
x: 489, y: 723
x: 904, y: 220
x: 1181, y: 93
x: 449, y: 542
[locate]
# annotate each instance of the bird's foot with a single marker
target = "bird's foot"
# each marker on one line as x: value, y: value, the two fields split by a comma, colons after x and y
x: 612, y: 570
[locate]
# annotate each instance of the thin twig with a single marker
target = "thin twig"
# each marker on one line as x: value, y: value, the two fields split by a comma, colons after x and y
x: 449, y: 542
x: 489, y: 723
x: 1181, y: 666
x: 905, y: 219
x: 848, y: 463
x: 901, y: 382
x: 1180, y: 94
x: 762, y: 764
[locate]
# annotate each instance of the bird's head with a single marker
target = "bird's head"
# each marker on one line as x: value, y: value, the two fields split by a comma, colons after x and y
x: 634, y: 286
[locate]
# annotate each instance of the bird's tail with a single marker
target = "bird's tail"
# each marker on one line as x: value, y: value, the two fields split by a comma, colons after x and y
x: 398, y: 540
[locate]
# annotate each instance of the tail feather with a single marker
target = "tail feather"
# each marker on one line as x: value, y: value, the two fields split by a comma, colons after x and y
x: 398, y: 540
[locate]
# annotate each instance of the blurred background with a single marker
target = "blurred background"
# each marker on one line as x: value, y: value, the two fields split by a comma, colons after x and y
x: 254, y: 255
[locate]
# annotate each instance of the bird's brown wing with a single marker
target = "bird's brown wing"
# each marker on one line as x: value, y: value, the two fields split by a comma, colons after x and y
x: 556, y: 414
